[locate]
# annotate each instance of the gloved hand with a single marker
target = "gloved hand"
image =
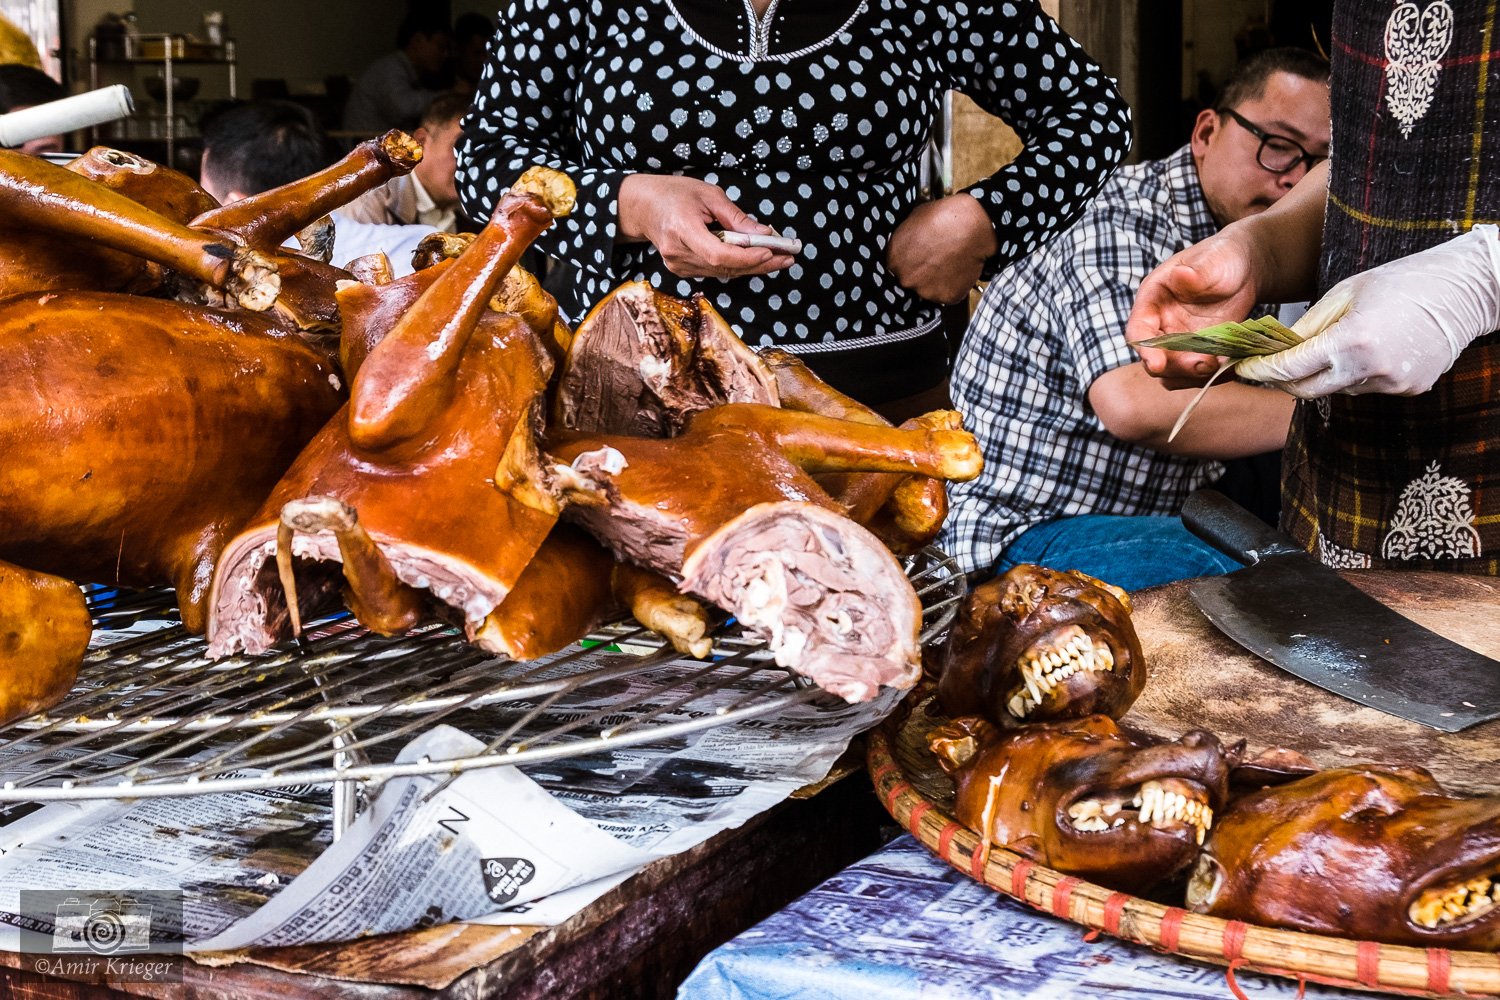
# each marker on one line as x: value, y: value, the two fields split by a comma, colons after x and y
x: 1395, y: 328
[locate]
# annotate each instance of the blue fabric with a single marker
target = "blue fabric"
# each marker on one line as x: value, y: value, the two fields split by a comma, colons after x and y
x: 901, y: 925
x: 1129, y: 552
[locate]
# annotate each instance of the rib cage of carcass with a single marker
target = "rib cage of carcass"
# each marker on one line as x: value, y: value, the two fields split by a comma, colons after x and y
x: 439, y: 491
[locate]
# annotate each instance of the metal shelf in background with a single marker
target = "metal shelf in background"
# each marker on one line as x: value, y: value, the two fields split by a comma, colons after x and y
x: 151, y: 716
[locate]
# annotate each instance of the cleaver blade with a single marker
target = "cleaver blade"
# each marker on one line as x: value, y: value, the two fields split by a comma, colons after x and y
x: 1291, y: 610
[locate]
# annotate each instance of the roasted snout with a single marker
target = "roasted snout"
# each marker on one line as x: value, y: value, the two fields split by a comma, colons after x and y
x: 1372, y: 852
x: 1035, y: 645
x: 1086, y: 797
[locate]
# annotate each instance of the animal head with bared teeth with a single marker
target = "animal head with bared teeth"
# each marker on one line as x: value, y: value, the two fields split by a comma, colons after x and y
x: 1036, y: 645
x: 1371, y: 852
x: 1086, y: 797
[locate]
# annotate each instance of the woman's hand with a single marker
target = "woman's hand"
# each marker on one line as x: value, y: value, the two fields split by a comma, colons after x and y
x: 674, y: 214
x: 1210, y: 282
x: 939, y: 250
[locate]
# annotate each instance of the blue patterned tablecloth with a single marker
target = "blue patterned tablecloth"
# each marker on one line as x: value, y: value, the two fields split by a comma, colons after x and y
x: 901, y: 925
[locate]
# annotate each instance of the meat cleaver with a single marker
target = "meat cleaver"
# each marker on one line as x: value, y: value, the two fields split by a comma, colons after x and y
x: 1290, y: 609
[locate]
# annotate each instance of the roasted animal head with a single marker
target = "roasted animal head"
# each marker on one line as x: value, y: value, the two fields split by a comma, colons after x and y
x: 1036, y: 645
x: 1086, y: 797
x: 1370, y: 852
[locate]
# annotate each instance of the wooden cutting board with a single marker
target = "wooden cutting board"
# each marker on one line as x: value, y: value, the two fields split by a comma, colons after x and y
x: 1201, y: 679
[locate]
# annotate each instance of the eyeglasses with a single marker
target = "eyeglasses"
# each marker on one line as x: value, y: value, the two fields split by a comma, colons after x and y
x: 1277, y: 153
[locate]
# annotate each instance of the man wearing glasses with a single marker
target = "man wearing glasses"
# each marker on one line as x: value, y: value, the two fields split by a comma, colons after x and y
x: 1079, y: 473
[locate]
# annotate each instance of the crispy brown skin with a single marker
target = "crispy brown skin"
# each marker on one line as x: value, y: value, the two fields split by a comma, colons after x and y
x: 1047, y: 766
x: 139, y: 434
x: 44, y: 631
x: 443, y: 384
x: 1024, y: 608
x: 1346, y: 851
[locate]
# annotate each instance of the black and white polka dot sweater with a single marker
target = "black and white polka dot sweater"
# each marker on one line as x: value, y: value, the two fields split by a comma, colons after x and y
x: 813, y: 119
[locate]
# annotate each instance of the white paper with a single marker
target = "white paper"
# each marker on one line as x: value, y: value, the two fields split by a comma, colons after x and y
x: 501, y: 845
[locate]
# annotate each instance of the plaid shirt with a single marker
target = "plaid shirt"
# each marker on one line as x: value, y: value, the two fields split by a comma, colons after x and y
x: 1046, y: 328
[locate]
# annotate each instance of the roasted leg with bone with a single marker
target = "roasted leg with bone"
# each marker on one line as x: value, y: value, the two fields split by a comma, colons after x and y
x: 729, y: 508
x: 55, y: 221
x: 436, y: 406
x: 905, y: 512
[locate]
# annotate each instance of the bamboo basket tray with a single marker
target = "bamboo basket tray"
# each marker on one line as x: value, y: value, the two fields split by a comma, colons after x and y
x: 919, y: 795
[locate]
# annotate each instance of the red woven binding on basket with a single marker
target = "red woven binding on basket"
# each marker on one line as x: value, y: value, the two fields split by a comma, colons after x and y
x: 1234, y: 938
x: 878, y: 775
x: 977, y: 859
x: 1171, y: 926
x: 893, y: 793
x: 1234, y: 984
x: 1062, y: 895
x: 945, y: 839
x: 1018, y: 876
x: 1367, y: 963
x: 1437, y: 970
x: 914, y: 821
x: 1114, y: 906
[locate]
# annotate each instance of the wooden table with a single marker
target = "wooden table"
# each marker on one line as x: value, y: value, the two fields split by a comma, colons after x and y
x: 639, y: 940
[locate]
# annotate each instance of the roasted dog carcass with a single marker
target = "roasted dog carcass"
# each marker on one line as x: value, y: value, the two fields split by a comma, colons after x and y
x: 400, y: 487
x: 140, y: 434
x: 1369, y: 852
x: 1085, y: 796
x: 1037, y: 645
x: 728, y: 508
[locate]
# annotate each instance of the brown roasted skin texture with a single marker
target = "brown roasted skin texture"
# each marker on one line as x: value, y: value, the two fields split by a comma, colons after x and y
x: 660, y: 605
x: 906, y: 512
x: 167, y: 192
x: 56, y: 224
x: 1353, y: 852
x: 44, y: 632
x: 435, y: 405
x: 1018, y: 788
x: 562, y: 595
x: 998, y: 654
x: 138, y: 435
x: 643, y: 362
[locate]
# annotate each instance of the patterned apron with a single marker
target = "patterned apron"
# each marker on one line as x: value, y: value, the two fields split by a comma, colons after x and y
x: 1392, y: 481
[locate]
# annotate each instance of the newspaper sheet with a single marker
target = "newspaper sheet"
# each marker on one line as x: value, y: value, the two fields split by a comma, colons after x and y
x: 500, y: 844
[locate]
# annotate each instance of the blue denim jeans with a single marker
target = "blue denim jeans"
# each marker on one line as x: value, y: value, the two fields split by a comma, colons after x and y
x: 1129, y: 552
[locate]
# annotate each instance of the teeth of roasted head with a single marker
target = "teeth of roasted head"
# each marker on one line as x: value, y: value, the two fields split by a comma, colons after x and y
x: 1042, y: 670
x: 1161, y: 807
x: 1456, y: 903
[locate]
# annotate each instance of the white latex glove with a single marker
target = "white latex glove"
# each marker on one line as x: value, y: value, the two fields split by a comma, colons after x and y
x: 1395, y: 328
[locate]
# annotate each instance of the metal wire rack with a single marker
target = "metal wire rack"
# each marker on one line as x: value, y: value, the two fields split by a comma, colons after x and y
x: 151, y: 716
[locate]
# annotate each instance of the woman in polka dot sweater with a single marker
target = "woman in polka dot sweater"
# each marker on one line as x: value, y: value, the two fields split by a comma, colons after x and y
x: 680, y: 117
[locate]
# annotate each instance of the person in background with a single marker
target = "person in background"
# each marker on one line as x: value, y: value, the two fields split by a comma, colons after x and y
x: 1079, y: 472
x: 472, y: 33
x: 394, y: 90
x: 428, y: 196
x: 1391, y: 461
x: 681, y: 119
x: 253, y: 146
x: 24, y: 87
